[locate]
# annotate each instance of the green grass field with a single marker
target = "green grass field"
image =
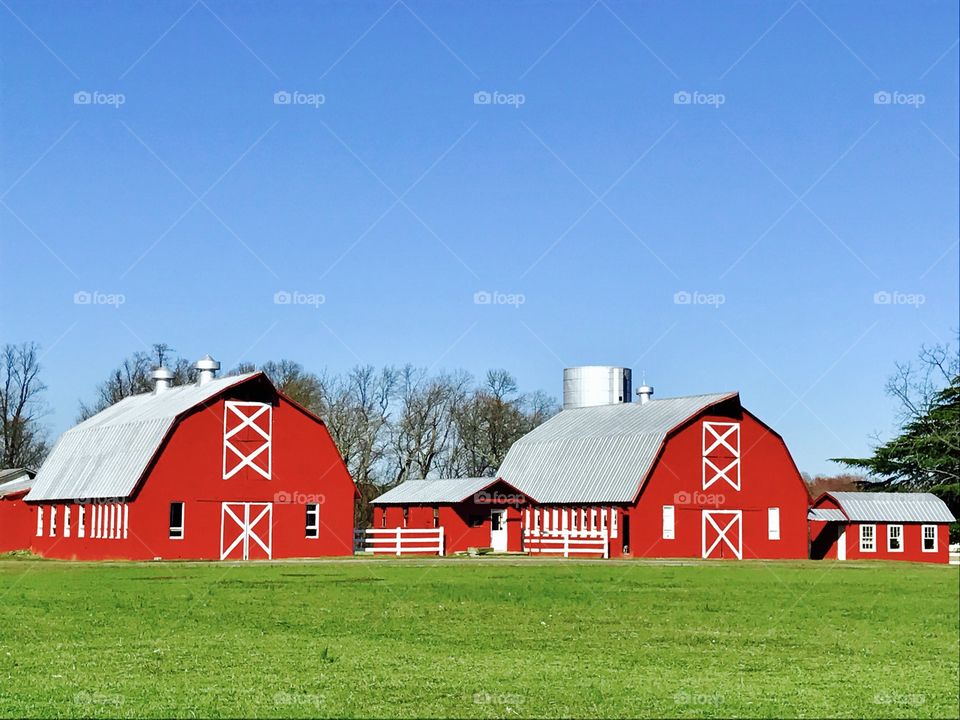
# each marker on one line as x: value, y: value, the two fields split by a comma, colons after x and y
x: 479, y: 638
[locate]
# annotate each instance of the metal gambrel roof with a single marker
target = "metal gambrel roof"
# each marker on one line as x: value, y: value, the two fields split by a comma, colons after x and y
x: 598, y: 454
x: 893, y: 507
x: 426, y: 492
x: 105, y: 455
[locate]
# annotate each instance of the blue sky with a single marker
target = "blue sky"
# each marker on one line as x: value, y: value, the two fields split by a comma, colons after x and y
x: 710, y: 193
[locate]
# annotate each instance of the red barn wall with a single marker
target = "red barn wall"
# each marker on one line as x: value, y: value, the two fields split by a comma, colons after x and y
x: 306, y: 468
x: 18, y: 523
x: 912, y: 543
x: 768, y: 478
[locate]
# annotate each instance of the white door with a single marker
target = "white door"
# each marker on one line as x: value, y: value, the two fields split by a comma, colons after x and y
x: 722, y: 533
x: 246, y: 531
x: 841, y: 542
x: 498, y: 530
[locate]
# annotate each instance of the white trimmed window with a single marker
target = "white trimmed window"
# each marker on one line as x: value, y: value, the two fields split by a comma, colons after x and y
x: 894, y: 538
x: 126, y: 519
x: 66, y: 521
x: 313, y: 520
x: 868, y: 536
x: 773, y: 523
x: 668, y: 522
x: 176, y: 521
x: 53, y: 521
x: 81, y: 521
x: 929, y: 535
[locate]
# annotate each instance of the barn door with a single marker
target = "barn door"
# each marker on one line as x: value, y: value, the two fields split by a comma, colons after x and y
x: 246, y: 531
x: 722, y: 533
x: 721, y: 455
x: 247, y: 431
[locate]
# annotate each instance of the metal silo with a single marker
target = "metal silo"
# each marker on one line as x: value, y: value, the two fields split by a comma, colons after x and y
x: 591, y: 385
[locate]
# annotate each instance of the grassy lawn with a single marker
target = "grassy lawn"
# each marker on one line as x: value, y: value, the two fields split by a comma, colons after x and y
x: 479, y: 638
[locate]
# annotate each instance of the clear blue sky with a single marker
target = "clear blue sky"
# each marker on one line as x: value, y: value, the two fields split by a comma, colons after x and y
x: 793, y: 197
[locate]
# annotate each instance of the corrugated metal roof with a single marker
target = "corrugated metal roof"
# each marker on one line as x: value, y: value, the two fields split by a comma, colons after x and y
x: 14, y: 480
x: 893, y: 507
x: 426, y: 492
x: 597, y: 454
x: 105, y: 455
x: 826, y: 515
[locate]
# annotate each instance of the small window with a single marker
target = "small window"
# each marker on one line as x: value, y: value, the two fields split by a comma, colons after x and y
x: 668, y: 522
x: 81, y: 521
x: 383, y: 517
x: 53, y: 521
x: 66, y: 521
x: 929, y: 538
x: 436, y: 517
x: 176, y: 521
x: 773, y: 523
x: 313, y: 520
x: 406, y: 516
x: 894, y: 538
x: 39, y: 520
x: 867, y: 537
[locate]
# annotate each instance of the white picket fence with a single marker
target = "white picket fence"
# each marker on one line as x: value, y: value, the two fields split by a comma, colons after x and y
x: 569, y: 542
x: 399, y: 541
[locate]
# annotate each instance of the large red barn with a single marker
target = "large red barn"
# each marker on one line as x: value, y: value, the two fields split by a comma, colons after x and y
x: 697, y: 476
x: 222, y: 469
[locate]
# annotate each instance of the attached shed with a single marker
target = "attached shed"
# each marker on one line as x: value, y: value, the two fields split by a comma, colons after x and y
x: 222, y: 469
x: 880, y: 526
x: 15, y: 514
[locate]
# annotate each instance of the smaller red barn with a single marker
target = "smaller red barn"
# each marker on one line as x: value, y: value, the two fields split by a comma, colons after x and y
x: 454, y: 515
x: 15, y: 516
x: 880, y: 526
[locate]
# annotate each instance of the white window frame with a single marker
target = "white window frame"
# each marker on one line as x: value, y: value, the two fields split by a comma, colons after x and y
x: 183, y: 522
x: 66, y: 521
x: 923, y: 538
x: 313, y: 531
x: 872, y: 538
x: 890, y: 537
x: 39, y: 520
x: 81, y: 521
x: 669, y: 523
x: 126, y: 519
x: 773, y: 523
x: 53, y: 521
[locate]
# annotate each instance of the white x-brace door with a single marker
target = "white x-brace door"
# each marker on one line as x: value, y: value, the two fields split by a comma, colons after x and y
x: 256, y: 454
x: 721, y: 454
x: 241, y: 522
x: 720, y: 529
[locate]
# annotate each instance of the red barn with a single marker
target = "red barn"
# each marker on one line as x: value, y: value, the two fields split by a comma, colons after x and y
x: 15, y: 514
x: 880, y: 526
x: 696, y: 476
x: 223, y: 469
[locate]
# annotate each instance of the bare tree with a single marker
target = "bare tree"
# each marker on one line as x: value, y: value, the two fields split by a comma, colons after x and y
x: 915, y: 384
x: 23, y: 442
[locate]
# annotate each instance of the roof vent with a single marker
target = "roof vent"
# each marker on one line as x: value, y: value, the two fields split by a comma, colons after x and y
x: 208, y: 369
x: 161, y: 380
x: 645, y: 393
